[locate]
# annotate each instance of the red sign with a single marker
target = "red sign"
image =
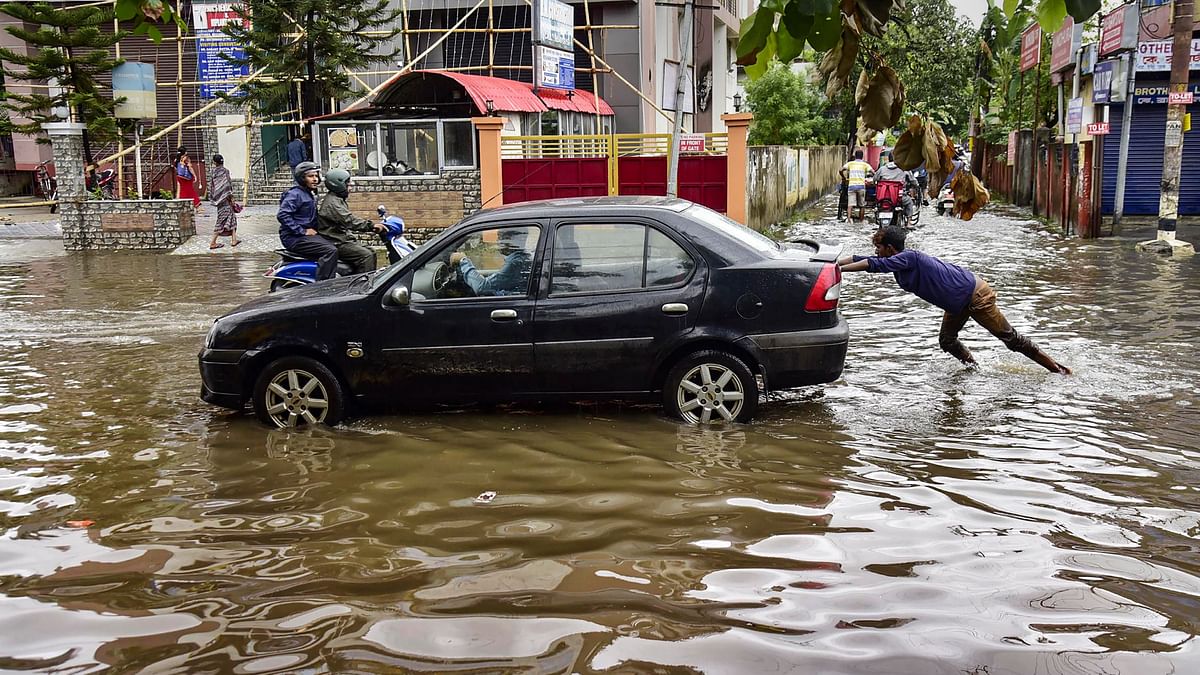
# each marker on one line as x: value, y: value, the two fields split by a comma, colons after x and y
x: 1119, y: 29
x: 1031, y: 47
x: 1063, y: 44
x: 1181, y: 98
x: 691, y: 143
x: 1097, y: 129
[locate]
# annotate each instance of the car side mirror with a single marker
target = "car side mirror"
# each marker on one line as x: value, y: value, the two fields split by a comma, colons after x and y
x: 399, y: 296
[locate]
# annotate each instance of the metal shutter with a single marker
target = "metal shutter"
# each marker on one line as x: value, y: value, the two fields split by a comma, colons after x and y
x: 1143, y: 178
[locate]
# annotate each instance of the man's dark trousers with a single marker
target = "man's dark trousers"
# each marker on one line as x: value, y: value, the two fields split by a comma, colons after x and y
x: 319, y: 249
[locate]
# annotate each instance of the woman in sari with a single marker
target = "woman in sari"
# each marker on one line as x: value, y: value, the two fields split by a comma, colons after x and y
x: 186, y: 180
x: 220, y: 192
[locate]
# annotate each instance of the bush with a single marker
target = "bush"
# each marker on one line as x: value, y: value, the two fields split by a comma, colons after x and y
x: 789, y: 110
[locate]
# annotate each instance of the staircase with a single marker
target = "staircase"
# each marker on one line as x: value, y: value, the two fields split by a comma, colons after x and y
x: 277, y: 184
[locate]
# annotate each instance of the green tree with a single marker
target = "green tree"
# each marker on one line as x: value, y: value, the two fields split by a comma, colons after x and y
x: 788, y: 110
x: 313, y: 42
x: 72, y: 50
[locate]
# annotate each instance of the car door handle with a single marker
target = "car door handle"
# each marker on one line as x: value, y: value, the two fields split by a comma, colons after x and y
x: 675, y: 308
x: 504, y: 314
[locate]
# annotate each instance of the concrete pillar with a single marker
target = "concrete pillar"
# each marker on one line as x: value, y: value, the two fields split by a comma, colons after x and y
x: 738, y: 126
x: 491, y: 181
x: 66, y: 141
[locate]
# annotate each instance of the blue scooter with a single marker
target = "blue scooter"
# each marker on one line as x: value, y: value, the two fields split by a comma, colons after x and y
x: 293, y: 270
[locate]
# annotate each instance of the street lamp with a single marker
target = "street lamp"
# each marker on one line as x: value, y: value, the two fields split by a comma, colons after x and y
x: 491, y: 107
x: 737, y: 103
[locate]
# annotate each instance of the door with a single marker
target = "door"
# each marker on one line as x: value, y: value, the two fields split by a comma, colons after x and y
x: 617, y: 293
x: 466, y: 333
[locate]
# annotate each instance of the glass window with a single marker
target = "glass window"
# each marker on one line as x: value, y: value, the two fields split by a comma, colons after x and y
x: 733, y: 229
x: 666, y: 263
x: 497, y: 261
x: 347, y: 147
x: 459, y: 144
x: 409, y: 149
x: 549, y: 123
x: 598, y: 258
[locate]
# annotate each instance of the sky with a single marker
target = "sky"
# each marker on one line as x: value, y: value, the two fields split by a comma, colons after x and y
x: 973, y: 10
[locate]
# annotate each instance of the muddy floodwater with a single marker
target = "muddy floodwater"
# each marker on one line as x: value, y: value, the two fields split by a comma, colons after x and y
x: 912, y: 517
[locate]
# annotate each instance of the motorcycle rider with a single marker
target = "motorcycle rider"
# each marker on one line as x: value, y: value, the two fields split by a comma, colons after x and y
x: 335, y: 222
x: 298, y: 221
x: 892, y: 172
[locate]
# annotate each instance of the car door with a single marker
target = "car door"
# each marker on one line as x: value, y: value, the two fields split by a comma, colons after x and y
x: 463, y: 336
x: 616, y: 292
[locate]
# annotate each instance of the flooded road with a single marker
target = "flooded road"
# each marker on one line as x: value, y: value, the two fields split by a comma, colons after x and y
x: 913, y: 517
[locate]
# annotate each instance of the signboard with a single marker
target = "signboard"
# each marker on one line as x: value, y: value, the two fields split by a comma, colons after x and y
x: 555, y: 68
x: 670, y: 73
x: 554, y: 25
x: 1174, y: 134
x: 213, y: 15
x: 1063, y: 45
x: 691, y: 142
x: 1098, y: 129
x: 1181, y: 98
x: 1119, y: 29
x: 135, y: 83
x: 1158, y: 94
x: 1087, y: 59
x: 212, y: 68
x: 1031, y: 47
x: 1075, y: 116
x: 1155, y: 56
x: 1012, y: 148
x: 1102, y: 80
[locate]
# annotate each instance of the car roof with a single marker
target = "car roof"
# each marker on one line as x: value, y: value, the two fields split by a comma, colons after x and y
x: 544, y: 207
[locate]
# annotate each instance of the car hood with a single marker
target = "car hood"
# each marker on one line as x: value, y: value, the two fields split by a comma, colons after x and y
x: 291, y: 296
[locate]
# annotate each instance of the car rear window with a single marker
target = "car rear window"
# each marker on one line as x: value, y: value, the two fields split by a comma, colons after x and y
x: 732, y: 228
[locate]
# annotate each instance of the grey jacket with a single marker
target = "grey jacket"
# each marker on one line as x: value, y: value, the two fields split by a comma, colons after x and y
x: 335, y: 221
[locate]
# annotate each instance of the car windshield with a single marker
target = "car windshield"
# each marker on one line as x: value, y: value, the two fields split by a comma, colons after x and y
x: 732, y: 228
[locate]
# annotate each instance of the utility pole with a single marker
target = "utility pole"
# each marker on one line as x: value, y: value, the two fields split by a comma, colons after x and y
x: 1168, y: 200
x: 686, y: 29
x: 1123, y: 151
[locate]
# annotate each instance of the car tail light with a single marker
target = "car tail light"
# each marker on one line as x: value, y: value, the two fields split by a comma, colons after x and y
x: 825, y: 293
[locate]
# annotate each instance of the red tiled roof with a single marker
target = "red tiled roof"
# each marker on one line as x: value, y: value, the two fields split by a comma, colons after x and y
x: 507, y: 95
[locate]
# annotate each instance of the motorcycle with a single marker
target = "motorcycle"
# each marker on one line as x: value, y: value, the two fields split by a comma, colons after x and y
x: 292, y: 270
x: 103, y: 181
x: 47, y: 185
x: 889, y: 205
x: 945, y: 200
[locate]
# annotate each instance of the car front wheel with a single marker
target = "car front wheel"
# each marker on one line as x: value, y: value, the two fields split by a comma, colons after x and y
x: 297, y: 391
x: 710, y: 386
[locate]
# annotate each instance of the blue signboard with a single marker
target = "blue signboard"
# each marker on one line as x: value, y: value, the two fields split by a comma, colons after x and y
x: 212, y: 68
x: 1102, y: 81
x: 556, y: 68
x: 134, y: 82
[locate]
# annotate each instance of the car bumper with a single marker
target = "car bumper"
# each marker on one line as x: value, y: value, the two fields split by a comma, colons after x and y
x: 802, y: 357
x: 221, y: 378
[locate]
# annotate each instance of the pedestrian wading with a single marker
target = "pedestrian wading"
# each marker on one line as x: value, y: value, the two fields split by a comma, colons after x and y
x: 958, y: 291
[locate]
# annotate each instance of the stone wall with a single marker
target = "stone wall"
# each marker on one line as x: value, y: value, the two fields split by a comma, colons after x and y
x: 208, y: 132
x: 784, y: 179
x: 126, y: 224
x: 427, y: 205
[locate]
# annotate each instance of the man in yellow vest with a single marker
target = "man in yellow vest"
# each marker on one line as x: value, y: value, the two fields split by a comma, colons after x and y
x: 856, y: 173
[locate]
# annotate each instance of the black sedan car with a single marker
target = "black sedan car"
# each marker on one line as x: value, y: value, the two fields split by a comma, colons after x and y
x: 622, y: 297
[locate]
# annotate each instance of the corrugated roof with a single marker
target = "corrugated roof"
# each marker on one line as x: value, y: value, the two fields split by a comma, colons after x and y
x: 506, y: 95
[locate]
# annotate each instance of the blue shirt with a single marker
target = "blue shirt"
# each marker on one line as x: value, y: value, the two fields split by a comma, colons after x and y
x: 297, y: 152
x: 297, y: 213
x: 934, y: 281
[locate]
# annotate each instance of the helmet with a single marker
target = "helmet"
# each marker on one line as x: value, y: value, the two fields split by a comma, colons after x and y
x: 338, y: 181
x: 303, y: 168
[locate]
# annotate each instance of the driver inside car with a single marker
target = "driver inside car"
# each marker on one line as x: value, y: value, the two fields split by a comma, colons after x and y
x: 513, y: 276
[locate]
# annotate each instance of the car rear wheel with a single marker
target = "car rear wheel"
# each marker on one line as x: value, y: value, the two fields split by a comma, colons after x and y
x: 297, y: 391
x: 710, y: 386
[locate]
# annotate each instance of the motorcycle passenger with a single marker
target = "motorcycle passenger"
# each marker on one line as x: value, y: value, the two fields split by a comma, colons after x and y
x: 335, y: 222
x: 298, y: 221
x: 513, y: 276
x: 855, y: 173
x: 922, y: 176
x: 892, y: 172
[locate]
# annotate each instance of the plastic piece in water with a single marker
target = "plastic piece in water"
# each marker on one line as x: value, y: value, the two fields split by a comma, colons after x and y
x: 80, y: 523
x: 485, y: 497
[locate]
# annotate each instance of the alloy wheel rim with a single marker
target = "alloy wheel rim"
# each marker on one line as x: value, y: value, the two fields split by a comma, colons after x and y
x: 296, y: 396
x: 710, y: 392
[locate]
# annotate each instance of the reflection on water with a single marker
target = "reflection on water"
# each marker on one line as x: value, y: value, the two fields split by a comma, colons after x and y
x: 914, y: 517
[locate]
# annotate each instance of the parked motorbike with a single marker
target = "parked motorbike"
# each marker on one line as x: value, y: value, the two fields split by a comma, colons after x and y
x: 105, y: 181
x: 292, y: 270
x: 47, y: 185
x: 945, y: 200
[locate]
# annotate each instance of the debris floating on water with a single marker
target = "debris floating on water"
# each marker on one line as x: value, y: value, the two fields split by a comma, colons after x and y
x: 485, y: 497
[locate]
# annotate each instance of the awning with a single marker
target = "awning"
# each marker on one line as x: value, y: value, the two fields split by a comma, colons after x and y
x: 505, y: 95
